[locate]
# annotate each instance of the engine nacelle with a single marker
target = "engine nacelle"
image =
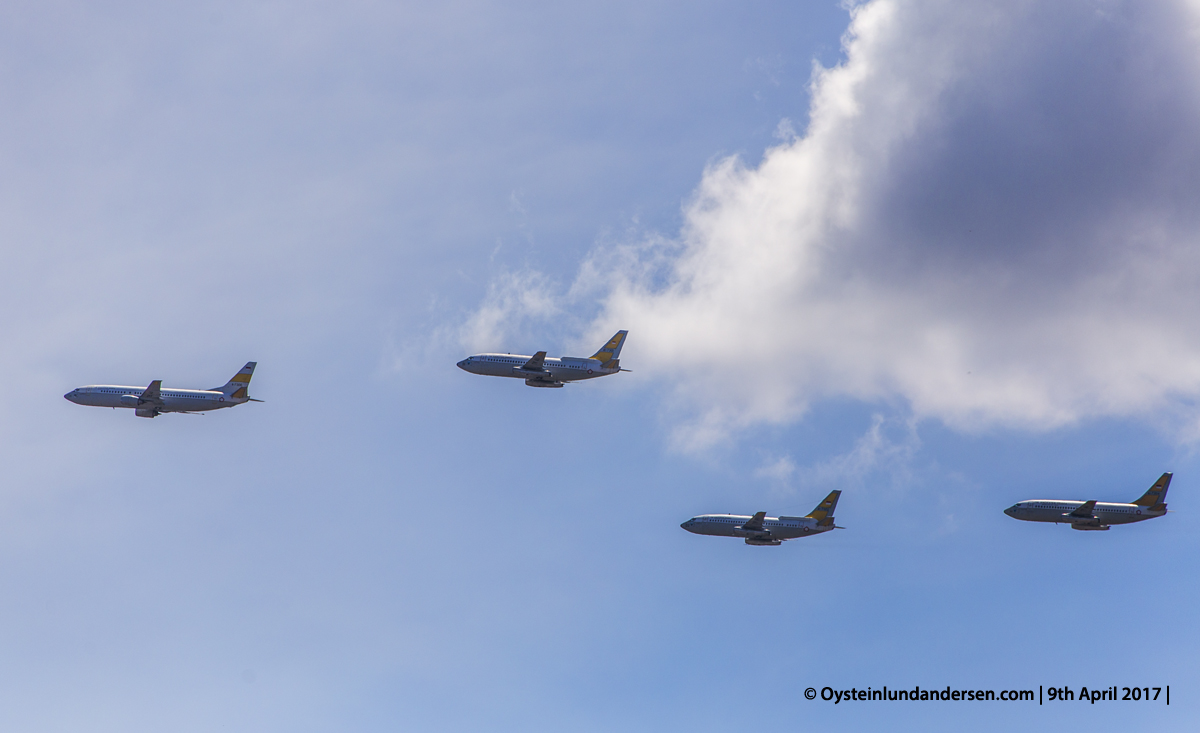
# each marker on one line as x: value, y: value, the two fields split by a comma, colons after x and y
x: 763, y: 542
x: 1089, y: 527
x: 541, y: 383
x: 129, y: 400
x: 146, y: 412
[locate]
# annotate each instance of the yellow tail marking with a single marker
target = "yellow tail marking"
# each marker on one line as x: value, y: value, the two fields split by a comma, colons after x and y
x: 823, y: 508
x: 605, y: 352
x: 1153, y: 495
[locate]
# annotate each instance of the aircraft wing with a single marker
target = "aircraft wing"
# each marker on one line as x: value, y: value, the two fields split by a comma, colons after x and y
x: 755, y: 523
x: 1085, y: 510
x: 151, y: 394
x: 535, y: 363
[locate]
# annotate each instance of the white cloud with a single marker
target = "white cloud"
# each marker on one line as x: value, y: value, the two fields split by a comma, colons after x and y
x: 512, y: 297
x: 874, y: 454
x: 777, y: 469
x: 993, y: 218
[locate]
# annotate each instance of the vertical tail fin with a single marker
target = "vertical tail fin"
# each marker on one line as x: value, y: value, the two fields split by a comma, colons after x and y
x: 236, y: 387
x: 824, y: 511
x: 611, y: 351
x: 1156, y: 494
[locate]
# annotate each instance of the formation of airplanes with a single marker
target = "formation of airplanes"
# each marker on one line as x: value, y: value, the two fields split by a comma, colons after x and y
x: 539, y: 370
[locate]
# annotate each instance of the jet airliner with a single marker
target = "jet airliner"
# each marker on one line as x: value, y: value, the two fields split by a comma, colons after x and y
x: 763, y: 530
x: 154, y: 400
x: 1093, y: 515
x: 540, y: 371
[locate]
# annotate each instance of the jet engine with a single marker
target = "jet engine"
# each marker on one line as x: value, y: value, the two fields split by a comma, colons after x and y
x: 130, y: 400
x: 541, y: 383
x: 1089, y: 527
x: 146, y: 412
x: 766, y: 542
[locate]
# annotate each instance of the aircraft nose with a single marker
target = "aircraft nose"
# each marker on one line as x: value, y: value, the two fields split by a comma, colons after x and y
x: 69, y: 396
x: 1009, y: 511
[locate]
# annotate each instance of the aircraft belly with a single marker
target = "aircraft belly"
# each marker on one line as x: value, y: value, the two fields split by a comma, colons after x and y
x: 553, y: 372
x: 187, y: 405
x: 792, y: 533
x: 105, y: 400
x: 580, y: 374
x: 488, y: 369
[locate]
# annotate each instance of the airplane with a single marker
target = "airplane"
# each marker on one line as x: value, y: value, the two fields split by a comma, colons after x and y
x: 154, y: 400
x: 1092, y: 515
x: 763, y: 530
x: 540, y: 371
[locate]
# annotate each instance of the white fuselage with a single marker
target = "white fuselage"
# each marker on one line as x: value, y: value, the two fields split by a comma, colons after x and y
x: 561, y: 369
x: 774, y: 528
x: 174, y: 400
x: 1057, y: 511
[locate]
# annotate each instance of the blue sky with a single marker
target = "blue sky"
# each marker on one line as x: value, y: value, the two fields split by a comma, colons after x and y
x: 941, y: 257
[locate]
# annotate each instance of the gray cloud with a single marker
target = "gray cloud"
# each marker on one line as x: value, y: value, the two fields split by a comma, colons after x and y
x: 991, y: 218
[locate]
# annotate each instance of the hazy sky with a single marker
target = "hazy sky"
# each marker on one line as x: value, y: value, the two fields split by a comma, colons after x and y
x: 942, y: 256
